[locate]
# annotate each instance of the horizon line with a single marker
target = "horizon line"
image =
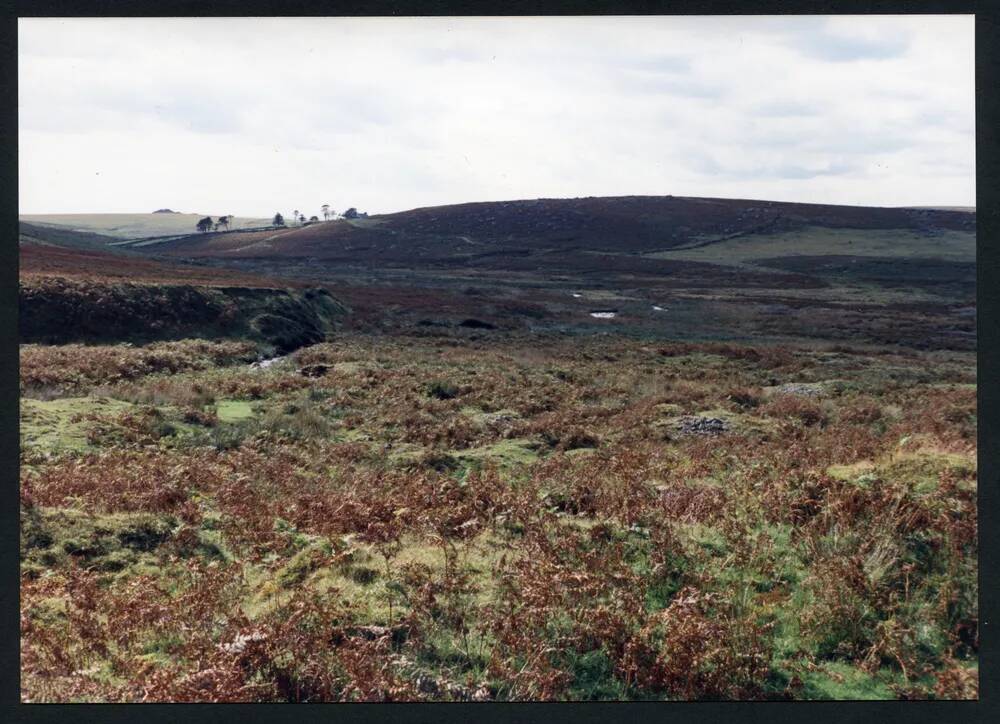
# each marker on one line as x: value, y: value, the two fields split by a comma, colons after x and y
x: 937, y: 206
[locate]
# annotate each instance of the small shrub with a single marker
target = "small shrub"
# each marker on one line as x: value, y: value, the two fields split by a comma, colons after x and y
x: 807, y: 411
x: 442, y: 390
x: 745, y: 398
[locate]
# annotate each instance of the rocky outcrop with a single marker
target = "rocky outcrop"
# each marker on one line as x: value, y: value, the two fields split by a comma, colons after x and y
x: 702, y: 426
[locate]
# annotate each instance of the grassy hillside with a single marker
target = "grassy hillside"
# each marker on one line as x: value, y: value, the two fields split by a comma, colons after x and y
x: 940, y: 262
x: 948, y: 245
x: 645, y: 223
x: 132, y: 226
x: 38, y: 261
x: 551, y: 232
x: 35, y: 234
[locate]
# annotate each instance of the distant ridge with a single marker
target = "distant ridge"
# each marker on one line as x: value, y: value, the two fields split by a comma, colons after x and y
x: 965, y: 209
x: 596, y: 235
x: 555, y: 232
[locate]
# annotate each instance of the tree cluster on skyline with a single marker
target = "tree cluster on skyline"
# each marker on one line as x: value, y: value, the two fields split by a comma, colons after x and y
x: 328, y: 215
x: 207, y: 224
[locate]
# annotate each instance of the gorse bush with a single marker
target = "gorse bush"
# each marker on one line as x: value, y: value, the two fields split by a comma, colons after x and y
x: 442, y: 390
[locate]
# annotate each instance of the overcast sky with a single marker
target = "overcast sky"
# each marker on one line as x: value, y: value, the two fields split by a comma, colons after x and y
x: 256, y: 115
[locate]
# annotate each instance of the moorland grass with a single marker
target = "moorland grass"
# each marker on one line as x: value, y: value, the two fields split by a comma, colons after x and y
x: 547, y: 529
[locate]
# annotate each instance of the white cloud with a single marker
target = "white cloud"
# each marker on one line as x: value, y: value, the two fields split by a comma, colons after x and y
x: 253, y: 115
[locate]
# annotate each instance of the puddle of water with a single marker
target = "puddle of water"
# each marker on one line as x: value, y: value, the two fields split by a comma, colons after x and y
x: 604, y: 314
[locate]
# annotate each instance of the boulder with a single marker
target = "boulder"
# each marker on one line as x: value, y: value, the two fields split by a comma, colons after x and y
x: 702, y: 425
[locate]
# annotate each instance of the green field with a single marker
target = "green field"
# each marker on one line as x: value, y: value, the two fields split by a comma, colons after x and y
x: 945, y: 245
x: 134, y: 226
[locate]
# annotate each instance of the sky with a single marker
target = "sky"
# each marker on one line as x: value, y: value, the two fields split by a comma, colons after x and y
x: 256, y: 115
